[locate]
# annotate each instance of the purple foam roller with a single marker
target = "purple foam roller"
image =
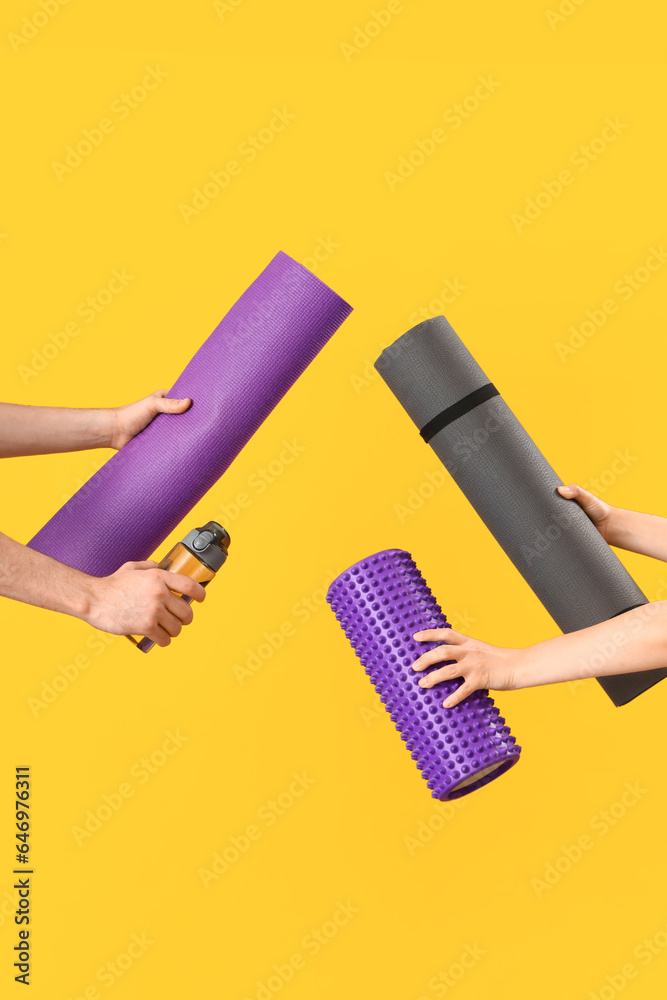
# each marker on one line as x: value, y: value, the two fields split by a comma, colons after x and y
x: 266, y: 340
x: 380, y: 603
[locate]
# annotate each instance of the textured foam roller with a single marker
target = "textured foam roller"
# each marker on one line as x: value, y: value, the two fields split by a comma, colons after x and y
x: 550, y: 540
x: 380, y: 602
x: 266, y: 340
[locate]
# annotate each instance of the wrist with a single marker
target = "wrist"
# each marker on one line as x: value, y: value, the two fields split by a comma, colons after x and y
x: 612, y: 525
x: 108, y: 427
x: 523, y: 663
x: 84, y: 600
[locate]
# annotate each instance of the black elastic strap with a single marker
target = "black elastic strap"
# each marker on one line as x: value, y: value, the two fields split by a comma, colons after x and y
x: 456, y: 410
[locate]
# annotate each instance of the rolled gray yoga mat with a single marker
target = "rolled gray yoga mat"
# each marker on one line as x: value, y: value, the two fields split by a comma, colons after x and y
x: 550, y: 540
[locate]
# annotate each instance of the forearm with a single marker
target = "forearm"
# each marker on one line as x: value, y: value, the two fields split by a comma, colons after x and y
x: 636, y: 640
x: 31, y: 577
x: 42, y: 430
x: 637, y: 532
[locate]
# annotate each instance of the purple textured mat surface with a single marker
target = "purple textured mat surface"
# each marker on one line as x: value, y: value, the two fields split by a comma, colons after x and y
x: 266, y: 340
x: 380, y: 602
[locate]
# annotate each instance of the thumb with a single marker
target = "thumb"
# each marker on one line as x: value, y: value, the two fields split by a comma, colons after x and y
x: 164, y: 404
x: 575, y: 492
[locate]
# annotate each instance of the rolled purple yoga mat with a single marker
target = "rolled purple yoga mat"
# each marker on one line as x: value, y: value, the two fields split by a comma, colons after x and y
x: 266, y: 340
x: 380, y: 602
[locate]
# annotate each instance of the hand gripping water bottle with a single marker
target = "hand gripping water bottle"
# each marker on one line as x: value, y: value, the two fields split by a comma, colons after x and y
x: 199, y: 555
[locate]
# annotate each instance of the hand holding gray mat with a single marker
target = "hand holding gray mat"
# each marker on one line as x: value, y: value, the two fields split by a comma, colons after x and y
x: 550, y: 540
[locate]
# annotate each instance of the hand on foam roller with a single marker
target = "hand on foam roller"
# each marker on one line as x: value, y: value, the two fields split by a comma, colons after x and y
x: 45, y: 430
x: 482, y: 666
x: 636, y: 640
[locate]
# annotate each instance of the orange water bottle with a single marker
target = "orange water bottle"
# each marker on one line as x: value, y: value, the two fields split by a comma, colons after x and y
x: 199, y: 555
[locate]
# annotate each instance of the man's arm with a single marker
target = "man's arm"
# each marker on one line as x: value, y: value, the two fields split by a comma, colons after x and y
x: 42, y: 430
x: 636, y: 640
x: 135, y: 600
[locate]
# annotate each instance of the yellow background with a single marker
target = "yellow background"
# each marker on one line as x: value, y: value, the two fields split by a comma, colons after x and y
x: 310, y: 707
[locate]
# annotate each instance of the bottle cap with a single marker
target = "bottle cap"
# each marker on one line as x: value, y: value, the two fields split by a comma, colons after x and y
x: 209, y: 544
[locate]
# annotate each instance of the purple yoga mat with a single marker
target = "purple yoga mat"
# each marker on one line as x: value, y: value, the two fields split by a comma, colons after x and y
x: 380, y: 602
x: 266, y: 340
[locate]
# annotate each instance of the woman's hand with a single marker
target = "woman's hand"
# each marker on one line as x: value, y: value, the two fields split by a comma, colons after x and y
x: 599, y: 512
x: 479, y: 664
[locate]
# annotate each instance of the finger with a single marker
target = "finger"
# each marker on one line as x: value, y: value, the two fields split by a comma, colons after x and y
x: 445, y: 673
x: 449, y: 635
x: 461, y: 692
x: 432, y: 635
x: 145, y: 564
x: 158, y: 635
x: 184, y: 585
x: 575, y: 492
x: 437, y: 655
x: 170, y: 623
x: 163, y: 404
x: 179, y: 608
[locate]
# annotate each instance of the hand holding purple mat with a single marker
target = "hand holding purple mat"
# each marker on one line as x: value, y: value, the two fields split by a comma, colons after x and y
x: 266, y: 340
x: 380, y: 603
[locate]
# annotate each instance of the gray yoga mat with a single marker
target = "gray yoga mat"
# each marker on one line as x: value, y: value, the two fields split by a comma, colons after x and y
x: 550, y: 540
